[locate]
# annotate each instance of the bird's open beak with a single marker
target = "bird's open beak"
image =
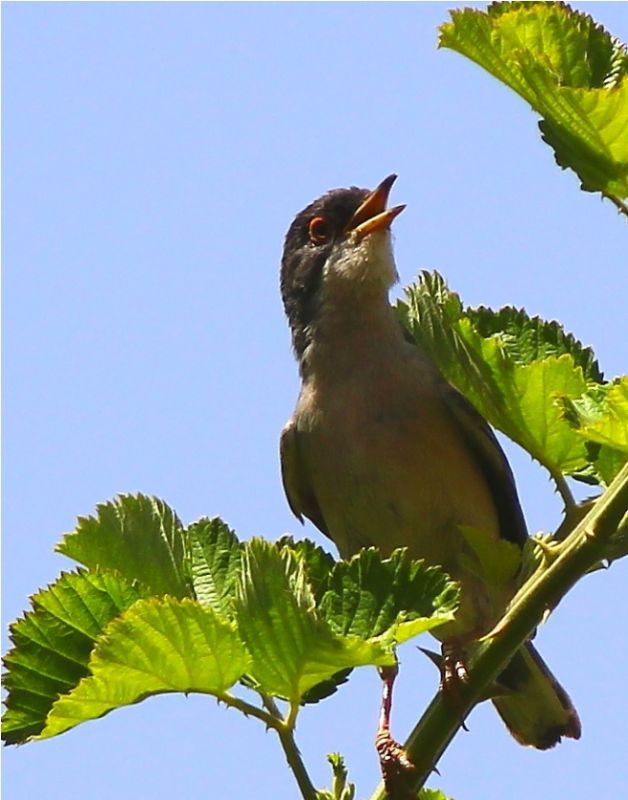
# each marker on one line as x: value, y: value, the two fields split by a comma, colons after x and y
x: 373, y: 215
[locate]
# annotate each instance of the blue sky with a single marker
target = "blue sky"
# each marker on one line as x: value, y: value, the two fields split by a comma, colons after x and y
x: 154, y: 155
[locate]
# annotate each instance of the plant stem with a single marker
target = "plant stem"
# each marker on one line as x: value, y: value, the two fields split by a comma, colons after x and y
x: 583, y: 548
x: 273, y: 718
x: 290, y: 749
x: 249, y: 710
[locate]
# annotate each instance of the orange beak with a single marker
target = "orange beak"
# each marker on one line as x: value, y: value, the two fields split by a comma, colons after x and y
x: 373, y: 215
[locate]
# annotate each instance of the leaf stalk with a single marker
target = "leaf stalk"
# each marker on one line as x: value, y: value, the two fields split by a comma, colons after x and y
x: 249, y: 710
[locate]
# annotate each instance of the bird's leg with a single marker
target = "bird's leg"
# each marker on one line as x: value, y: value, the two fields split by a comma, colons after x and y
x: 393, y: 760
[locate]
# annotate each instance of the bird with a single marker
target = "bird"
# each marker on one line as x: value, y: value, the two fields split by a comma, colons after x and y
x: 382, y: 451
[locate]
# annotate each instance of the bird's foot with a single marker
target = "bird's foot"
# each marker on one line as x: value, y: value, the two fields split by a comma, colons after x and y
x: 454, y: 676
x: 453, y: 669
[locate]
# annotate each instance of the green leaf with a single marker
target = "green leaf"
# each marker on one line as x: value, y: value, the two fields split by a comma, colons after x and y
x: 387, y: 600
x: 158, y: 645
x: 569, y: 69
x: 533, y: 394
x: 608, y: 463
x: 324, y: 689
x: 391, y: 599
x: 526, y: 339
x: 432, y: 794
x: 140, y: 537
x: 216, y: 563
x: 516, y: 370
x: 318, y: 563
x: 342, y: 789
x: 601, y: 416
x: 52, y: 645
x: 292, y: 648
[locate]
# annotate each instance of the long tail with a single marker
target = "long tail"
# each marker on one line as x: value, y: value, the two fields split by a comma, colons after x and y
x: 537, y: 710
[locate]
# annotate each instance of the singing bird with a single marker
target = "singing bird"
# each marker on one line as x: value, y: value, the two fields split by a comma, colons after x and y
x: 382, y: 451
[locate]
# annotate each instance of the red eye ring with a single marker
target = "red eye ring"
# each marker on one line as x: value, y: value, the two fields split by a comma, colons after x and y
x: 319, y: 230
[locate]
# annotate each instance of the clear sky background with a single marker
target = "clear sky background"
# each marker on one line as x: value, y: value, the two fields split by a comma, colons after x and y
x: 154, y: 155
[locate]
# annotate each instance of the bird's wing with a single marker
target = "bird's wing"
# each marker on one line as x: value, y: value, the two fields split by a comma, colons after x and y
x: 490, y: 458
x: 296, y: 483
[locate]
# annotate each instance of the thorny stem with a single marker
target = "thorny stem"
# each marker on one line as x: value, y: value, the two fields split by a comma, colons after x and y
x: 285, y: 731
x: 271, y: 706
x: 284, y: 728
x: 583, y: 548
x: 249, y: 710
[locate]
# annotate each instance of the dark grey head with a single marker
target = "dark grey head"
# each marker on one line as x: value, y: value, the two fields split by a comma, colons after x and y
x: 330, y: 249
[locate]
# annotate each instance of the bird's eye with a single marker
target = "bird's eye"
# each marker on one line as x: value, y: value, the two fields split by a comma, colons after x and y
x: 319, y: 230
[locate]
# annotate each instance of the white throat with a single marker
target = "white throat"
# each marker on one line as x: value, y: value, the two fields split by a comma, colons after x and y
x: 354, y: 315
x: 367, y: 264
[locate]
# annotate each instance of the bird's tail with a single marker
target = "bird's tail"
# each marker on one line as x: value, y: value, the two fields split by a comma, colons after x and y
x: 536, y: 709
